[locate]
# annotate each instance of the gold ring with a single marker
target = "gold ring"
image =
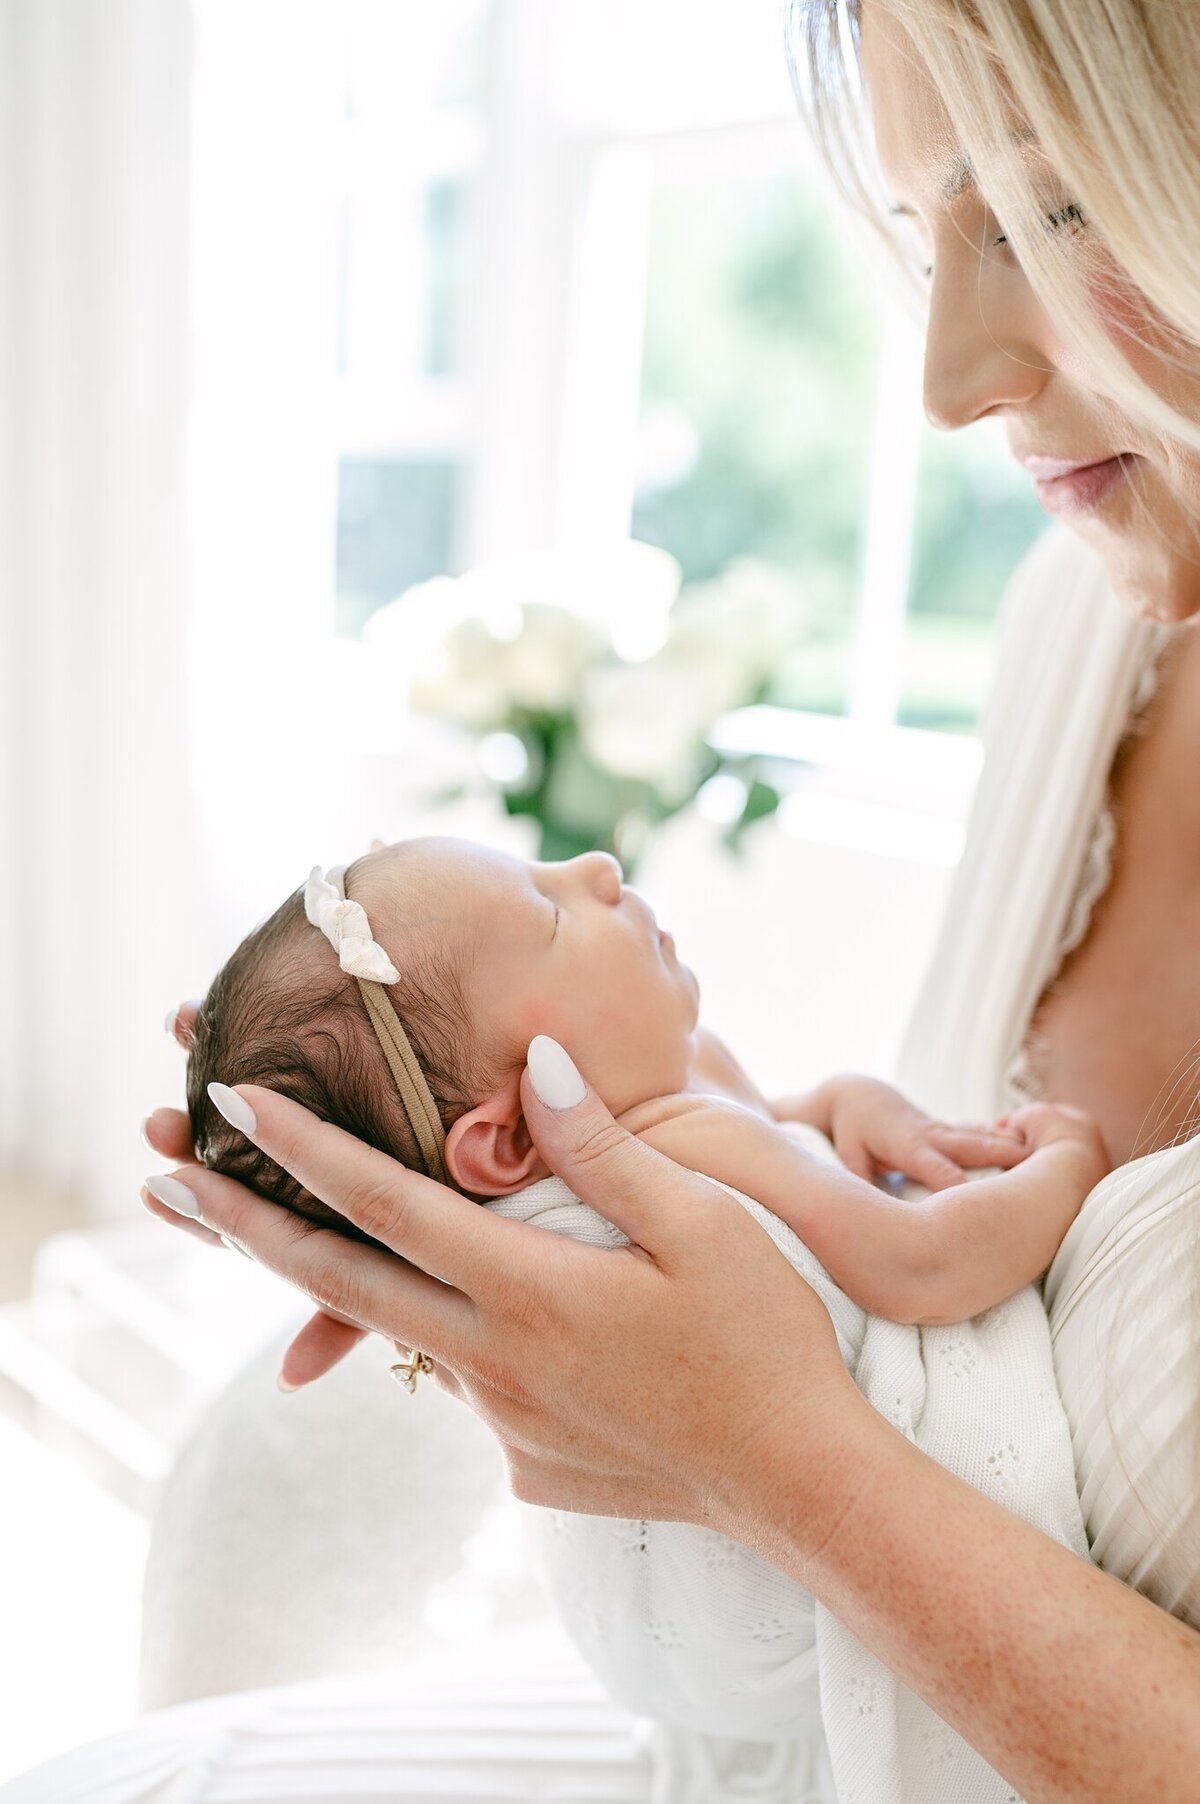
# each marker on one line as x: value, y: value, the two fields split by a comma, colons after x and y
x: 407, y: 1371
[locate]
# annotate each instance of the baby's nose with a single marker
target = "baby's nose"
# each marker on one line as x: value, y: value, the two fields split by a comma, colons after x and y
x: 602, y: 874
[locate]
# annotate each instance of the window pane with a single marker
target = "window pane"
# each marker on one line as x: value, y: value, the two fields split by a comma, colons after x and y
x: 976, y: 516
x: 445, y: 220
x: 396, y: 523
x: 758, y: 380
x: 413, y: 141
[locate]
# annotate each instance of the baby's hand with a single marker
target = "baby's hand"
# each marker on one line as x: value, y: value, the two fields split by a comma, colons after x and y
x: 1042, y: 1124
x: 875, y: 1130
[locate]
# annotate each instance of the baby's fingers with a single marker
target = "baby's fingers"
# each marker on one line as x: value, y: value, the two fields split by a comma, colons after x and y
x: 972, y: 1146
x: 855, y: 1156
x: 927, y: 1165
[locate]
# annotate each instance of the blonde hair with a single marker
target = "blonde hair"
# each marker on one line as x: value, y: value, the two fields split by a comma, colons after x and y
x: 1110, y: 90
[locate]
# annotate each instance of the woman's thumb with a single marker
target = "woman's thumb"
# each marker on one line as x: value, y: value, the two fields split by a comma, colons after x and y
x: 604, y: 1164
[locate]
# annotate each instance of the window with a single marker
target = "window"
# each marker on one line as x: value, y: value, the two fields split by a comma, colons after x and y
x: 412, y: 144
x: 590, y: 285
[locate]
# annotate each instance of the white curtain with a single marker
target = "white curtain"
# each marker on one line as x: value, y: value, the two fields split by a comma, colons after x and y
x: 97, y: 928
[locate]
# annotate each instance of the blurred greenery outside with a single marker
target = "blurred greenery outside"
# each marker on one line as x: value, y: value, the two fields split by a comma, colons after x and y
x: 758, y: 394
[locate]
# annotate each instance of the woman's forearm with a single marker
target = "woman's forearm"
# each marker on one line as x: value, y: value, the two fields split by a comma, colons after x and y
x: 1075, y: 1688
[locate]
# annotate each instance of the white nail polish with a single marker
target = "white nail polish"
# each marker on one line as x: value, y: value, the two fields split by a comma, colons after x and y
x: 553, y: 1075
x: 174, y: 1195
x: 235, y: 1109
x: 169, y: 1023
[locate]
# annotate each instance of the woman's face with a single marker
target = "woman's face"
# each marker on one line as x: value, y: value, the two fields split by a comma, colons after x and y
x: 991, y: 350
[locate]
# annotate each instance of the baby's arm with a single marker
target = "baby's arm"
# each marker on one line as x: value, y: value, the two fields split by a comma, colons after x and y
x: 942, y: 1258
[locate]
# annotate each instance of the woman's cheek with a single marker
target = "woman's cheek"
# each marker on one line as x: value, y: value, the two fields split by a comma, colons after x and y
x: 1154, y: 350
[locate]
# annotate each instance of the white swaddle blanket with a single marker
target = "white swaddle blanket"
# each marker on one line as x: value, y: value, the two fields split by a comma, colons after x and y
x: 688, y: 1627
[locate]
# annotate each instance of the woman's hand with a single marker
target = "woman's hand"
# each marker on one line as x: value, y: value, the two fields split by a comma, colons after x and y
x: 638, y: 1382
x: 324, y: 1339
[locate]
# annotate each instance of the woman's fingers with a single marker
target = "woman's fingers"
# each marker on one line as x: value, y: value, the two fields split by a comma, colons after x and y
x: 318, y: 1347
x: 169, y: 1133
x: 344, y: 1277
x: 437, y: 1229
x: 181, y: 1024
x: 618, y: 1175
x: 173, y: 1219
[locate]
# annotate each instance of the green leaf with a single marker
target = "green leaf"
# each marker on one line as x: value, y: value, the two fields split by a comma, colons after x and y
x: 762, y: 799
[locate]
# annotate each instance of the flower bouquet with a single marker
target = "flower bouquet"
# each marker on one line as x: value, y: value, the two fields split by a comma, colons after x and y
x: 591, y: 693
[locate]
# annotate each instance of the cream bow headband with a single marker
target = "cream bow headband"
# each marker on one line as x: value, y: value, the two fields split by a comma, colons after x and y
x: 346, y: 927
x: 344, y: 924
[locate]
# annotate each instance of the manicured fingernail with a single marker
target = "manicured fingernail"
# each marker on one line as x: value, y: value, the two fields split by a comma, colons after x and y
x: 173, y: 1195
x: 145, y: 1136
x: 172, y: 1019
x: 553, y: 1075
x: 235, y: 1108
x: 284, y: 1386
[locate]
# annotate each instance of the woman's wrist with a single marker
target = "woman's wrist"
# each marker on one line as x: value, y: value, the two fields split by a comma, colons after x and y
x: 787, y: 1501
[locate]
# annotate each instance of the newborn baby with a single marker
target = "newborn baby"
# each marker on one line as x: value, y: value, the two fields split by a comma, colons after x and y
x: 487, y: 951
x: 399, y: 1000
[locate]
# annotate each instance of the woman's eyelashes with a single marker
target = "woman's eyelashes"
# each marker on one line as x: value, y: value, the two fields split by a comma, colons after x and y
x: 1069, y: 215
x: 1059, y: 219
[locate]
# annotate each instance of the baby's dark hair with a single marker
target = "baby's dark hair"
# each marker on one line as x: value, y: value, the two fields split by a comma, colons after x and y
x: 282, y: 1013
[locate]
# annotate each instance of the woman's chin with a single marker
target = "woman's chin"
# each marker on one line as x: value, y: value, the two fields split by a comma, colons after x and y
x: 1152, y: 581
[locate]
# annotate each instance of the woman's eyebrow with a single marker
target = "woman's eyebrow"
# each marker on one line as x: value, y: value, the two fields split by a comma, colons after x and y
x: 961, y: 175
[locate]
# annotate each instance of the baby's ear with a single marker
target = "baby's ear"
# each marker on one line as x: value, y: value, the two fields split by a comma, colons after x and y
x: 488, y: 1150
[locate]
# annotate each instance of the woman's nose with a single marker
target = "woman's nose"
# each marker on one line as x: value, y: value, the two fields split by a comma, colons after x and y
x: 601, y: 874
x: 980, y: 351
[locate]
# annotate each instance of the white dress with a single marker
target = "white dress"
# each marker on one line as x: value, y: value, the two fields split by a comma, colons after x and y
x: 527, y: 1723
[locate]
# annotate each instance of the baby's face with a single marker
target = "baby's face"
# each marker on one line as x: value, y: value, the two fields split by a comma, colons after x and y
x: 561, y: 949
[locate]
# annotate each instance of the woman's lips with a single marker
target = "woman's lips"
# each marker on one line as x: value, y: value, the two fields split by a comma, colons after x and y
x: 1067, y: 488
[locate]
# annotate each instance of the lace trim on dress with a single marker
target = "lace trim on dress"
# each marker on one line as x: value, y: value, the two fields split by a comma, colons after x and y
x: 1024, y: 1080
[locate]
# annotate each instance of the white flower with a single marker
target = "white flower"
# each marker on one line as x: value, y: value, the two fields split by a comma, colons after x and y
x: 730, y: 632
x: 465, y: 680
x: 643, y: 721
x: 544, y: 663
x: 412, y: 629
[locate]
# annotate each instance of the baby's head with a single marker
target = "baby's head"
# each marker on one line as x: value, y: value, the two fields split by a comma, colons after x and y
x: 490, y: 951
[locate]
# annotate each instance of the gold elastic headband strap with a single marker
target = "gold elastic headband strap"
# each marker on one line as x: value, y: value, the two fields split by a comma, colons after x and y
x: 348, y: 931
x: 415, y: 1093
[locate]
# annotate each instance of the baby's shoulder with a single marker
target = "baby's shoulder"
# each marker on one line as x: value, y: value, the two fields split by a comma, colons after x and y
x: 688, y: 1106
